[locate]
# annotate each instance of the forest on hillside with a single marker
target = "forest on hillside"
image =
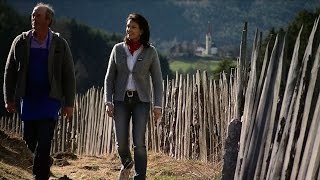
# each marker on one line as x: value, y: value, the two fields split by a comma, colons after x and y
x: 176, y: 21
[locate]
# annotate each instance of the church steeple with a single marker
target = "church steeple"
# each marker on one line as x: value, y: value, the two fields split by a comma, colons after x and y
x: 208, y: 40
x: 209, y: 30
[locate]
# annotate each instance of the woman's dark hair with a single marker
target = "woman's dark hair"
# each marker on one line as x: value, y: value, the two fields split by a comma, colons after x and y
x: 143, y: 25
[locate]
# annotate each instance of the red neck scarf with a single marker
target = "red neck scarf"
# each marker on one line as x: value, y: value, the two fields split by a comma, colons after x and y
x: 133, y: 46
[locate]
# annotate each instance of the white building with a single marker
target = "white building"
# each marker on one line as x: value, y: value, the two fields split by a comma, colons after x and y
x: 209, y: 50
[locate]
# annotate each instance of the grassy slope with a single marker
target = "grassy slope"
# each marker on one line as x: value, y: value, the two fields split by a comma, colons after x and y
x: 11, y: 172
x: 15, y: 159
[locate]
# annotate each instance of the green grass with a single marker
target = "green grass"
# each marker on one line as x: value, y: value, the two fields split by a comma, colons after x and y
x: 184, y: 66
x: 191, y: 66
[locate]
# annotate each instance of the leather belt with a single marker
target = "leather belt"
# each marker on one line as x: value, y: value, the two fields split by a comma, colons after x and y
x: 130, y: 93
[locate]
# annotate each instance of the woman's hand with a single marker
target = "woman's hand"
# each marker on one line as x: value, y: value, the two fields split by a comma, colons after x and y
x: 157, y: 113
x: 109, y: 110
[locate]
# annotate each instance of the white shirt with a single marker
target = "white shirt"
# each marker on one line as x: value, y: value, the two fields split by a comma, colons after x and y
x: 131, y: 61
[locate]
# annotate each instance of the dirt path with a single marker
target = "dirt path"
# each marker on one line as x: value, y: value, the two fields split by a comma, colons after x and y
x: 16, y: 163
x: 160, y: 166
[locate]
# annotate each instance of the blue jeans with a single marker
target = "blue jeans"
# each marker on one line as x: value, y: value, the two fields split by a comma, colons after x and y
x: 139, y: 111
x: 38, y: 135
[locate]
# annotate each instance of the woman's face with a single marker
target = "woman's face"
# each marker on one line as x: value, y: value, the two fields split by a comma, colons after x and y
x: 133, y: 30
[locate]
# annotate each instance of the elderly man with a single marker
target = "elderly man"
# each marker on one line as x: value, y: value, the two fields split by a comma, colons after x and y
x: 39, y: 74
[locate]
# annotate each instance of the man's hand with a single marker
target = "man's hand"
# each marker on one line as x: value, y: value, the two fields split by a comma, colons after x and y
x: 110, y: 110
x: 11, y: 107
x: 156, y: 113
x: 67, y: 112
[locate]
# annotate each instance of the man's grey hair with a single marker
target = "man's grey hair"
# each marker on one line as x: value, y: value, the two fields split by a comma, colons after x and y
x: 49, y: 12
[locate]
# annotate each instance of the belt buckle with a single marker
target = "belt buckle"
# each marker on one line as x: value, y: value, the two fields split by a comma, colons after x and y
x: 130, y: 94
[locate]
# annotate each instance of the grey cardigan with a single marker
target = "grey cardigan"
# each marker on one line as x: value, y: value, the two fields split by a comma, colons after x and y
x: 60, y: 70
x: 147, y: 65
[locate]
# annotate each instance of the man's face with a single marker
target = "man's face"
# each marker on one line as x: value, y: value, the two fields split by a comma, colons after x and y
x: 38, y: 19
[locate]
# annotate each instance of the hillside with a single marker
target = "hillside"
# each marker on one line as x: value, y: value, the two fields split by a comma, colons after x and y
x: 160, y: 166
x: 175, y: 21
x: 12, y: 167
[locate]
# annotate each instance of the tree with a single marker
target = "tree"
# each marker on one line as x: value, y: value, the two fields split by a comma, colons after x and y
x: 304, y: 18
x: 224, y: 66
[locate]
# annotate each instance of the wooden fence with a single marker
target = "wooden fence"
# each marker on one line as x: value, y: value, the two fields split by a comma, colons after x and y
x: 196, y: 112
x: 280, y: 136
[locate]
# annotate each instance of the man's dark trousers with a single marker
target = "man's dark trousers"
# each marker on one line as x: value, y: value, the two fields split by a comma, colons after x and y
x: 38, y: 135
